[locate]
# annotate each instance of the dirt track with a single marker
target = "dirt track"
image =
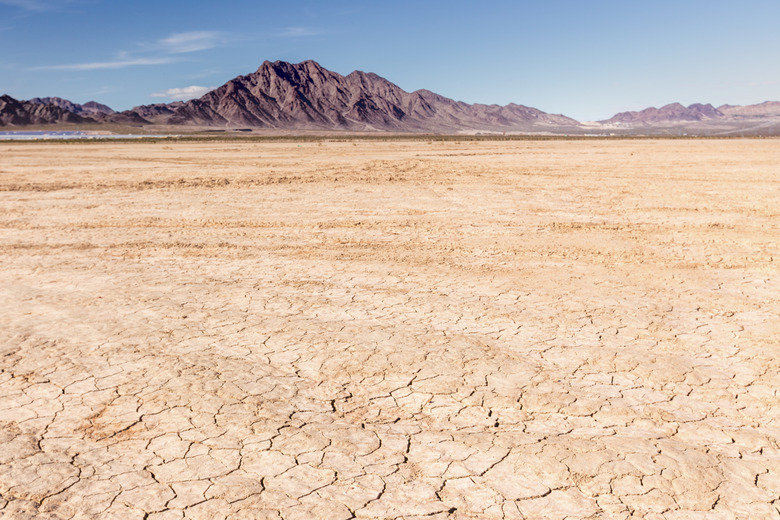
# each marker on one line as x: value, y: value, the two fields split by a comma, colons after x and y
x: 565, y: 329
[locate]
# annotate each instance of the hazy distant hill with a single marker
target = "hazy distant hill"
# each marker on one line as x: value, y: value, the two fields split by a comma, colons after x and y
x: 670, y: 112
x: 767, y: 109
x: 699, y: 119
x: 87, y: 109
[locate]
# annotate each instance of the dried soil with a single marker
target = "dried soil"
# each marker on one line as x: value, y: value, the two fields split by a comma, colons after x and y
x: 522, y: 329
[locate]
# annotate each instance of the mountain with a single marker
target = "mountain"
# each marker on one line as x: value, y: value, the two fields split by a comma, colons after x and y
x: 53, y: 111
x: 699, y: 119
x: 677, y: 113
x: 128, y: 117
x: 159, y: 112
x: 308, y: 96
x: 89, y: 108
x: 668, y: 113
x: 94, y: 112
x: 767, y: 109
x: 22, y: 113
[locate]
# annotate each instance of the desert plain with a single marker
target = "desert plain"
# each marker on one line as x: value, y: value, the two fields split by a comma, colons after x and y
x: 400, y: 328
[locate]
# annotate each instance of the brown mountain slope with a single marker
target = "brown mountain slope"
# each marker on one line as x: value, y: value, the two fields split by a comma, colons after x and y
x: 22, y: 113
x: 306, y: 95
x: 159, y: 112
x: 93, y: 112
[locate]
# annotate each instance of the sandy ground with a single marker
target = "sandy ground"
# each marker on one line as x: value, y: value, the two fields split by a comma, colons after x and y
x: 565, y: 329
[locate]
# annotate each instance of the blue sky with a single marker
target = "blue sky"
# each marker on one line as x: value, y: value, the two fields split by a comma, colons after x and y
x: 585, y: 59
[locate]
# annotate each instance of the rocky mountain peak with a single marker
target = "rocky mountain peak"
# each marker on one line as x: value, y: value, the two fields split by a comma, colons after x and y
x: 306, y: 95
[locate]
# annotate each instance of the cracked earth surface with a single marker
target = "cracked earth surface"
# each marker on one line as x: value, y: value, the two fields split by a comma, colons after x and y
x: 527, y: 329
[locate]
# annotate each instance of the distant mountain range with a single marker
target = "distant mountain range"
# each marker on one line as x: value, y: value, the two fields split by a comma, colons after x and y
x: 87, y: 109
x: 698, y: 112
x: 24, y: 113
x: 699, y: 119
x: 668, y: 113
x: 55, y: 111
x: 306, y: 96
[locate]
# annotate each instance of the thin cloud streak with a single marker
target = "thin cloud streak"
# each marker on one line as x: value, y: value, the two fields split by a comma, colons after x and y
x: 36, y: 5
x: 183, y: 93
x: 176, y: 43
x: 180, y: 43
x: 298, y: 32
x: 102, y: 65
x: 29, y: 5
x: 768, y: 83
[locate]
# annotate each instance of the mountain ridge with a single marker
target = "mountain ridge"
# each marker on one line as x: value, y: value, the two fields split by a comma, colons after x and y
x: 670, y: 112
x: 696, y: 112
x: 306, y: 96
x: 87, y: 109
x: 24, y: 113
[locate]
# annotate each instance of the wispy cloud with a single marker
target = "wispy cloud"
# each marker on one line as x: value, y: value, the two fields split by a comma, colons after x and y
x: 37, y: 5
x: 101, y: 65
x: 183, y: 93
x: 180, y: 43
x: 102, y: 90
x: 206, y: 73
x: 161, y: 52
x: 30, y: 5
x: 768, y: 83
x: 298, y: 32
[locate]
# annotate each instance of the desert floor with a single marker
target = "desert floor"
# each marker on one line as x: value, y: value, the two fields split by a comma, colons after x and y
x: 399, y: 329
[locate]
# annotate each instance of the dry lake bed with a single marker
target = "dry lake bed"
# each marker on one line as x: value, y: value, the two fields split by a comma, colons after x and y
x: 390, y: 329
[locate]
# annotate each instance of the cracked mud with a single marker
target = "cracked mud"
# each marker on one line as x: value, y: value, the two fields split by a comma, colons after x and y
x: 564, y: 329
